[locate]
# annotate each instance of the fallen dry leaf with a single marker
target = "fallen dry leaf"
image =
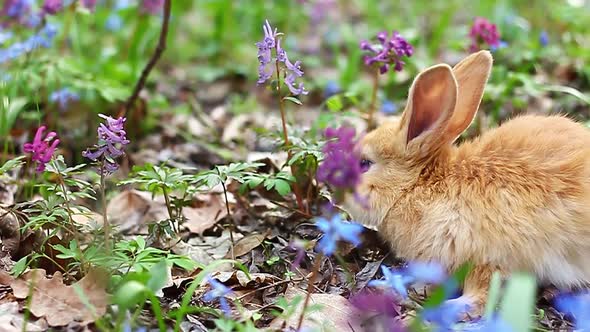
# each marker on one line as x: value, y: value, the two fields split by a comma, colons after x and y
x: 132, y: 209
x: 242, y: 278
x: 60, y: 304
x: 200, y: 219
x: 246, y: 244
x: 336, y: 314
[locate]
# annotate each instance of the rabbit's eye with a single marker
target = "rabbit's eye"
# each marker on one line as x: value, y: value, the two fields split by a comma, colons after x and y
x: 366, y: 164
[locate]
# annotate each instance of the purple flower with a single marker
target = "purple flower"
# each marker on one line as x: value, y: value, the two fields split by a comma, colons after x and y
x: 334, y: 230
x: 89, y: 4
x: 384, y: 308
x: 341, y: 166
x: 218, y: 292
x: 578, y: 306
x: 389, y: 51
x: 52, y: 7
x: 111, y: 141
x: 266, y: 67
x: 152, y: 7
x: 16, y: 9
x: 482, y: 33
x: 63, y: 97
x: 41, y: 149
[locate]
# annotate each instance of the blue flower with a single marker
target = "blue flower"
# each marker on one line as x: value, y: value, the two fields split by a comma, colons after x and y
x: 114, y: 22
x: 400, y: 279
x: 395, y: 280
x: 63, y: 97
x: 122, y: 4
x: 388, y: 107
x: 331, y: 89
x: 218, y: 292
x: 431, y: 273
x: 446, y: 314
x: 334, y: 230
x: 502, y: 44
x: 544, y: 38
x: 578, y: 306
x: 42, y: 39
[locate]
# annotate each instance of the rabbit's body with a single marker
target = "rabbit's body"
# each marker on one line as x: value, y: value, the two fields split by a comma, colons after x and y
x: 514, y: 199
x: 517, y: 198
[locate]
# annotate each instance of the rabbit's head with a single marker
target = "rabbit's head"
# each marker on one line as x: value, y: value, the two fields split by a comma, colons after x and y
x: 442, y: 103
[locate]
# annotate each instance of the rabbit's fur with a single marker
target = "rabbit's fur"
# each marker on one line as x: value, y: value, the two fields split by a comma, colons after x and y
x: 514, y: 199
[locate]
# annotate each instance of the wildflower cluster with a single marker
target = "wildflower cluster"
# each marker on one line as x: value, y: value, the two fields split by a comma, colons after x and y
x: 42, y: 149
x: 43, y: 38
x: 111, y: 140
x: 266, y: 69
x: 389, y: 51
x: 482, y: 33
x: 341, y: 166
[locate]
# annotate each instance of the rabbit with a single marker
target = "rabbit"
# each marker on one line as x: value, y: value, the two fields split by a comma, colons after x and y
x: 516, y: 198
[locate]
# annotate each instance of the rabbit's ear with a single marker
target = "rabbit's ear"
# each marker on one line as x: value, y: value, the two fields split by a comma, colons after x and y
x: 431, y: 102
x: 471, y: 74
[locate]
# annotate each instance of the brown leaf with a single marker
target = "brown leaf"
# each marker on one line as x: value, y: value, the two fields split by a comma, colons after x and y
x: 336, y: 314
x: 5, y: 278
x: 132, y: 209
x: 11, y: 319
x: 200, y: 219
x: 242, y: 278
x: 246, y: 244
x: 60, y: 304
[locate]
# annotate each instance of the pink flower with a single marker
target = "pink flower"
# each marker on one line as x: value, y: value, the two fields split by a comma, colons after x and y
x: 40, y: 149
x: 152, y: 7
x: 483, y: 32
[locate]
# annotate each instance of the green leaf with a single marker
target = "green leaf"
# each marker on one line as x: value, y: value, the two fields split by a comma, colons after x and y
x: 293, y: 100
x: 158, y: 276
x: 282, y: 187
x: 518, y: 302
x: 130, y: 294
x: 493, y: 295
x: 335, y: 103
x: 19, y: 267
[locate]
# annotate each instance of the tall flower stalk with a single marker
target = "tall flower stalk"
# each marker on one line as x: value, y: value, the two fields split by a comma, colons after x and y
x: 388, y: 52
x: 112, y: 138
x: 281, y: 66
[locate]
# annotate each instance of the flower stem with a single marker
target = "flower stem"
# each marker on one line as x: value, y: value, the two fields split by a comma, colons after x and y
x: 314, y: 272
x: 296, y: 189
x: 74, y: 230
x: 153, y: 60
x: 231, y: 225
x: 282, y: 105
x: 106, y: 227
x: 169, y: 208
x: 373, y: 105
